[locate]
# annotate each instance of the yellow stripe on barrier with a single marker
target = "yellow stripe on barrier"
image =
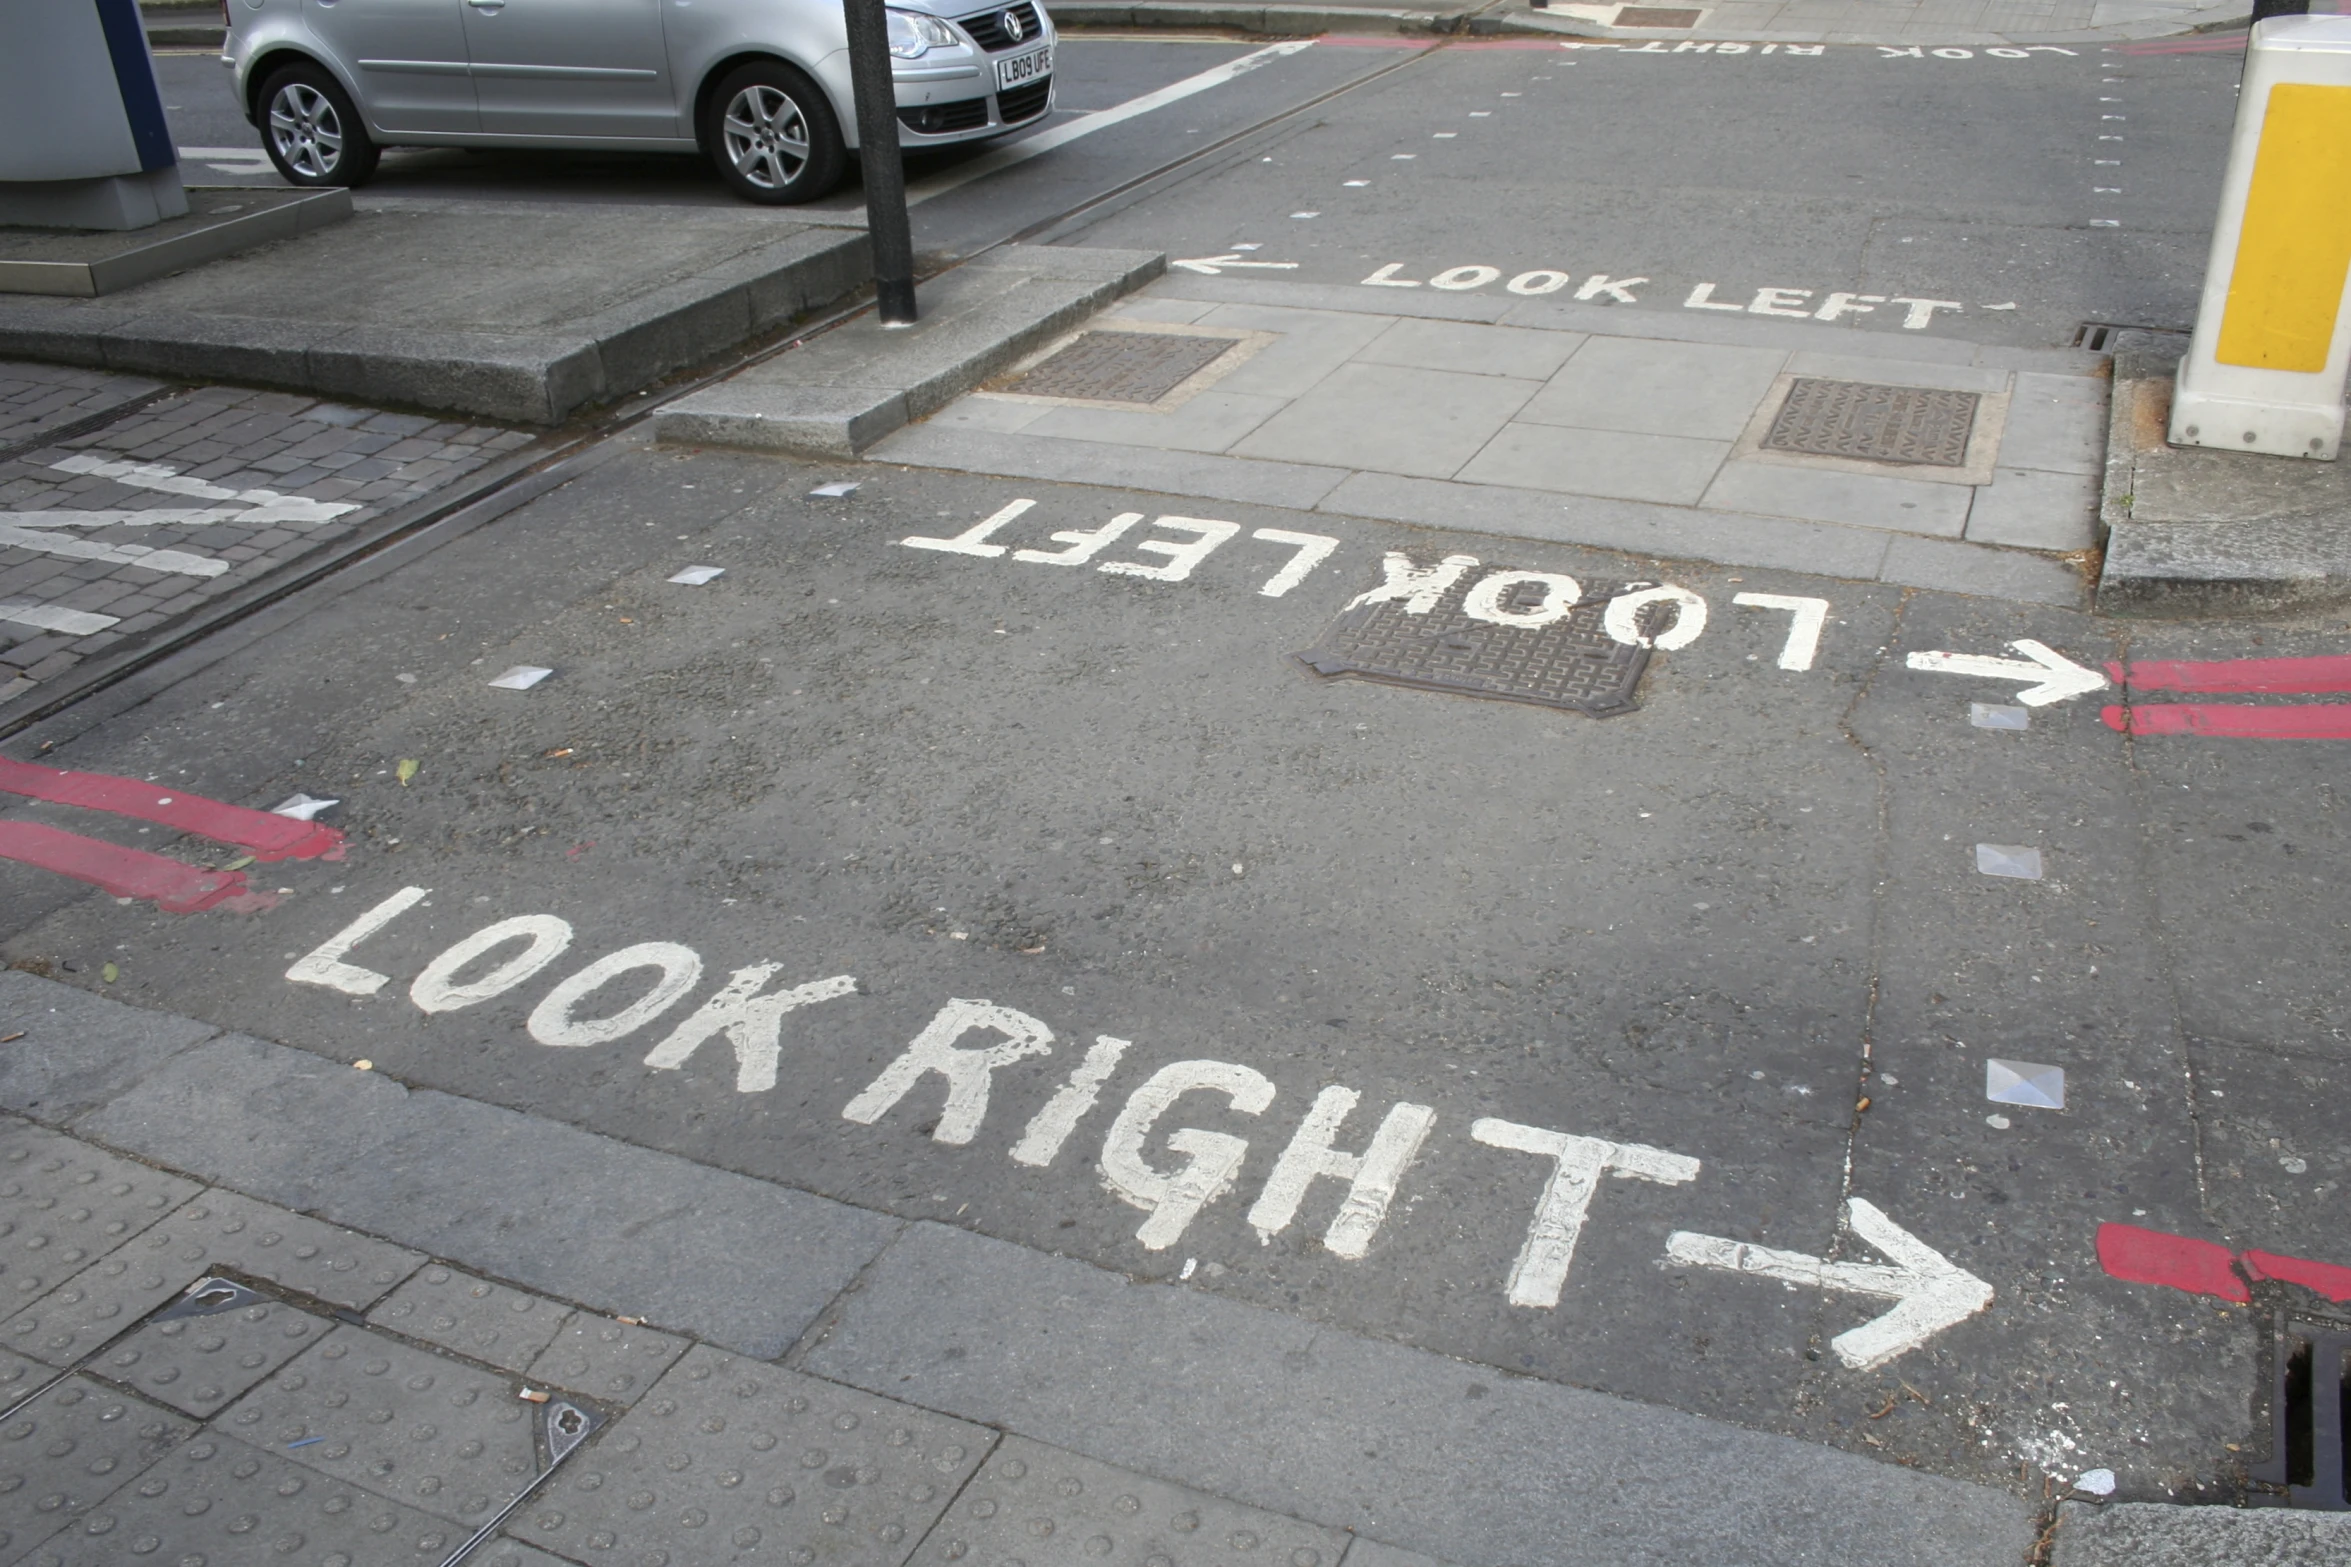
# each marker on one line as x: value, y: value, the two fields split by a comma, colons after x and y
x: 2295, y: 245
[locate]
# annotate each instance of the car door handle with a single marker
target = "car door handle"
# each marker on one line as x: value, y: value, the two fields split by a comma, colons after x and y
x: 493, y: 7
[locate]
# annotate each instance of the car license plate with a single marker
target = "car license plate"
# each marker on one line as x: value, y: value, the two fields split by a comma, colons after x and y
x: 1026, y: 68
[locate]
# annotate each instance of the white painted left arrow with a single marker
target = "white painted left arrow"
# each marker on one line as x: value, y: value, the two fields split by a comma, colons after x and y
x: 1932, y: 1292
x: 1212, y: 265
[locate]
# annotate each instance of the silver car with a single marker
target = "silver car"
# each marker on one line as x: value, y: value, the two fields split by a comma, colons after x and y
x: 761, y: 87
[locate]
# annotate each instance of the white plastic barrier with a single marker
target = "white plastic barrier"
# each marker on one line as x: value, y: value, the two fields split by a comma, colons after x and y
x: 2264, y: 372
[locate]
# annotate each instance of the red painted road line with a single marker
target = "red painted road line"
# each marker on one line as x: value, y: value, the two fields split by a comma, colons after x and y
x: 2235, y: 720
x: 2325, y: 1277
x: 268, y: 837
x: 2140, y: 1256
x: 2277, y: 676
x: 126, y: 873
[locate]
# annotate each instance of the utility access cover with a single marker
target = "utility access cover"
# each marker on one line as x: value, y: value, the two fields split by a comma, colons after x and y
x: 1573, y: 661
x: 1122, y: 367
x: 1862, y: 421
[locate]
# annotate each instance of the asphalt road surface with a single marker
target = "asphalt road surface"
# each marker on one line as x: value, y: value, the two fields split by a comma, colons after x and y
x: 1675, y: 1028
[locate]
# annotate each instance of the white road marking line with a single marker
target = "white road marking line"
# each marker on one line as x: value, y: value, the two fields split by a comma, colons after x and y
x: 155, y: 476
x: 1100, y: 120
x: 117, y: 554
x: 296, y: 511
x: 73, y: 622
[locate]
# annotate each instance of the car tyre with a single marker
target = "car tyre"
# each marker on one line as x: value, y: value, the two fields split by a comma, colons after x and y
x: 312, y: 131
x: 772, y: 134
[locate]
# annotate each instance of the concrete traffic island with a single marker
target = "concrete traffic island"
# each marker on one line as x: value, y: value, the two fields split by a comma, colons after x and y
x: 515, y: 311
x: 849, y: 388
x: 2192, y: 530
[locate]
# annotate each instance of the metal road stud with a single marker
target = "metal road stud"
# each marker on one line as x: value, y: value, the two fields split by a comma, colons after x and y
x: 2264, y: 372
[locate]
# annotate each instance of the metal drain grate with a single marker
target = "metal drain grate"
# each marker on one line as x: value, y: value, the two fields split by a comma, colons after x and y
x: 1655, y: 16
x: 1571, y: 663
x: 1915, y: 425
x: 2310, y: 1456
x: 1122, y: 367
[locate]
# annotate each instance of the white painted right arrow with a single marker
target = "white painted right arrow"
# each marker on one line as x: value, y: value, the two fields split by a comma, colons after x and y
x: 2050, y: 676
x: 1932, y: 1291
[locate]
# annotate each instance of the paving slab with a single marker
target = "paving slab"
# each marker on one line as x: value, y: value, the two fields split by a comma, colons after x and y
x: 72, y: 1447
x: 611, y: 1361
x: 66, y: 1204
x: 512, y: 310
x: 197, y: 1365
x: 2194, y: 531
x: 434, y: 1433
x: 558, y: 1210
x: 756, y: 1464
x: 850, y: 387
x: 79, y: 1050
x: 217, y: 1501
x: 479, y: 1319
x: 1408, y: 1447
x: 215, y: 1232
x: 1037, y: 1504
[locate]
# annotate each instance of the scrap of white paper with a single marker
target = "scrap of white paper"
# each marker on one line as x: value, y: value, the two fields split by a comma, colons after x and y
x: 521, y: 677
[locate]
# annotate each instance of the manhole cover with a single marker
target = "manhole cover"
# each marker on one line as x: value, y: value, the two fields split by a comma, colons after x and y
x: 1122, y: 367
x: 1892, y: 424
x: 1572, y: 662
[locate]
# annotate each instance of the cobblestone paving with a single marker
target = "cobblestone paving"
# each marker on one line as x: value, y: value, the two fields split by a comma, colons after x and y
x: 109, y: 535
x: 39, y: 398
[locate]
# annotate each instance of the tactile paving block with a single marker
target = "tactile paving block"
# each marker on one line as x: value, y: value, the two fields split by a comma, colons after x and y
x: 19, y: 1376
x: 735, y: 1461
x: 220, y: 1503
x: 64, y: 1204
x: 1573, y: 662
x: 219, y: 1232
x: 71, y: 1448
x: 420, y: 1428
x: 197, y: 1364
x: 612, y: 1362
x: 487, y: 1322
x: 1042, y: 1507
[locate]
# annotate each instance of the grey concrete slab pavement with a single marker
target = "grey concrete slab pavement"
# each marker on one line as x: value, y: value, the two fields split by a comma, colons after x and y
x: 518, y: 312
x: 847, y: 389
x: 1567, y: 423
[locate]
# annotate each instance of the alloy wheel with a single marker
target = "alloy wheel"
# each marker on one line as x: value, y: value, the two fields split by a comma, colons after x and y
x: 766, y: 136
x: 306, y: 131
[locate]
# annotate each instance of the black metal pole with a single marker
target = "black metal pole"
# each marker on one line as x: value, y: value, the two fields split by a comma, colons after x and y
x: 877, y: 148
x: 2263, y: 10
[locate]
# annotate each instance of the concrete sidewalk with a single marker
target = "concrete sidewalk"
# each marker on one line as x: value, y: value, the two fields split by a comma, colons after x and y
x: 778, y: 1376
x: 1662, y: 435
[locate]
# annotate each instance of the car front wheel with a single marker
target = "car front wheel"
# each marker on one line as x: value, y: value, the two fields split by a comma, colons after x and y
x: 311, y: 130
x: 773, y: 135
